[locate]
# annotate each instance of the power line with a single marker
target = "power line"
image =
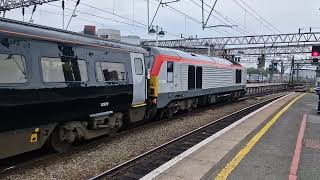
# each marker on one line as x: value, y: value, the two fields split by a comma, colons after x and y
x: 89, y: 14
x: 260, y: 16
x: 77, y: 3
x: 54, y: 13
x: 215, y: 17
x: 130, y: 24
x: 259, y: 20
x: 244, y: 31
x: 114, y: 14
x: 111, y: 13
x: 194, y: 19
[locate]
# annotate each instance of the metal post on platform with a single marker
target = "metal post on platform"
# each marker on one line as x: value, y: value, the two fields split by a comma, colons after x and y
x: 282, y: 72
x: 292, y: 69
x: 317, y: 89
x: 297, y: 80
x: 271, y: 71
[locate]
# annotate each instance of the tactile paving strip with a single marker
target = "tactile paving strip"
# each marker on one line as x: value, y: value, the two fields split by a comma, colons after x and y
x: 313, y: 119
x: 312, y: 143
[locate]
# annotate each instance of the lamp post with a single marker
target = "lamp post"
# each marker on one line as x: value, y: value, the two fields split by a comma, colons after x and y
x: 158, y: 32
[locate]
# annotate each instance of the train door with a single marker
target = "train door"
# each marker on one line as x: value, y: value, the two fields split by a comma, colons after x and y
x: 170, y: 76
x: 139, y: 79
x: 176, y: 77
x: 191, y: 78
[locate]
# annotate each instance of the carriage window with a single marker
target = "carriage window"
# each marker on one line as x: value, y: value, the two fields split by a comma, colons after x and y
x: 170, y: 71
x: 64, y: 70
x: 138, y: 66
x: 12, y: 69
x: 110, y: 71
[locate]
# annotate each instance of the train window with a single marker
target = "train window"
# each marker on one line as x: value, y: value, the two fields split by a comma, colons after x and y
x: 138, y: 66
x: 148, y: 61
x: 170, y: 71
x: 238, y: 76
x: 191, y: 77
x: 107, y: 71
x: 64, y: 70
x: 199, y: 78
x: 12, y: 69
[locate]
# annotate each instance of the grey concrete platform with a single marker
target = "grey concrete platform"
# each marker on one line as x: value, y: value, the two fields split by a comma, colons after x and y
x: 206, y: 161
x: 262, y: 84
x: 271, y: 158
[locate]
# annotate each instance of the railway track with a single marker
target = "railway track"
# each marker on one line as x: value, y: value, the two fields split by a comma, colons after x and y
x: 27, y: 159
x: 147, y: 162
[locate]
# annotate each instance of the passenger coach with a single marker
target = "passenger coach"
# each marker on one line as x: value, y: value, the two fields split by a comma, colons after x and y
x: 61, y: 86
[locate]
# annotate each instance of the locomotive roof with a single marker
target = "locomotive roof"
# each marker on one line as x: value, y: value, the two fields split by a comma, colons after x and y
x: 182, y: 54
x: 32, y: 31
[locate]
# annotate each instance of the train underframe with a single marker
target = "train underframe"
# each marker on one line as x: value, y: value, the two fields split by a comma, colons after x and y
x: 189, y: 104
x: 61, y: 137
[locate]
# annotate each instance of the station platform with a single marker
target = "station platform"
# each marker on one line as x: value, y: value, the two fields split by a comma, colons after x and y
x: 250, y: 85
x: 278, y: 141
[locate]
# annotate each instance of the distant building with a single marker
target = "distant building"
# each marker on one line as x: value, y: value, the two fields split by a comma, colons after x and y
x: 131, y: 39
x: 112, y: 34
x: 89, y: 30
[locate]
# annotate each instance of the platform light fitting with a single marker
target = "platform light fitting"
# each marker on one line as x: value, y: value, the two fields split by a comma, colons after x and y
x: 152, y: 31
x: 161, y: 33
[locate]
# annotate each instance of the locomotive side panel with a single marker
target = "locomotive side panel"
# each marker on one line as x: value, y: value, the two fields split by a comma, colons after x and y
x: 217, y: 77
x: 214, y: 81
x: 184, y: 77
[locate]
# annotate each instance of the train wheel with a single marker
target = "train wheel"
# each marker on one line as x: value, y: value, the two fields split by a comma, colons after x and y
x: 168, y: 113
x: 61, y: 139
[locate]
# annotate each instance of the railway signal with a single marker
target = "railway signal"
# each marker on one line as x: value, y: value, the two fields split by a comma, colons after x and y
x: 273, y: 66
x: 262, y: 61
x: 315, y: 54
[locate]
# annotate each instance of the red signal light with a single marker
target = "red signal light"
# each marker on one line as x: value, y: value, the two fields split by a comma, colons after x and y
x: 315, y: 54
x: 315, y: 51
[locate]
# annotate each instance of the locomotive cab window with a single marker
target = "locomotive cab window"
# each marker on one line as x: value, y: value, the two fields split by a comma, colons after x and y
x: 107, y: 71
x: 64, y: 69
x: 238, y: 76
x: 170, y: 71
x: 138, y: 66
x: 12, y: 69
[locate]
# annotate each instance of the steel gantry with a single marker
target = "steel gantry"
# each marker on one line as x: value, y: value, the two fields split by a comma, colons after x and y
x: 294, y: 43
x: 6, y: 5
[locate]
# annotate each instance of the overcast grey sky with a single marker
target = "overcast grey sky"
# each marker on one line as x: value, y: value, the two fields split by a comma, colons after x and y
x: 277, y: 15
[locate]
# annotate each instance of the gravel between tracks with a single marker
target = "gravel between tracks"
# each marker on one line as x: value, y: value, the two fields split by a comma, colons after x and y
x: 94, y: 160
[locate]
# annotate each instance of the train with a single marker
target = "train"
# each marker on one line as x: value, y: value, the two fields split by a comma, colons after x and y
x: 58, y: 87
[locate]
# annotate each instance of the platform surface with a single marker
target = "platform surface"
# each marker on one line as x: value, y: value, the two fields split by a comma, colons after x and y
x: 262, y: 84
x: 272, y: 155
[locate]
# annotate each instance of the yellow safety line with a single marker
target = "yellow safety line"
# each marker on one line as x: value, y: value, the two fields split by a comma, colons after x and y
x: 226, y: 171
x: 139, y: 105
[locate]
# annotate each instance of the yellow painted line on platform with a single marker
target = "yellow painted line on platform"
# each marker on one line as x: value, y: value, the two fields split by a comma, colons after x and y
x: 139, y: 105
x: 226, y: 171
